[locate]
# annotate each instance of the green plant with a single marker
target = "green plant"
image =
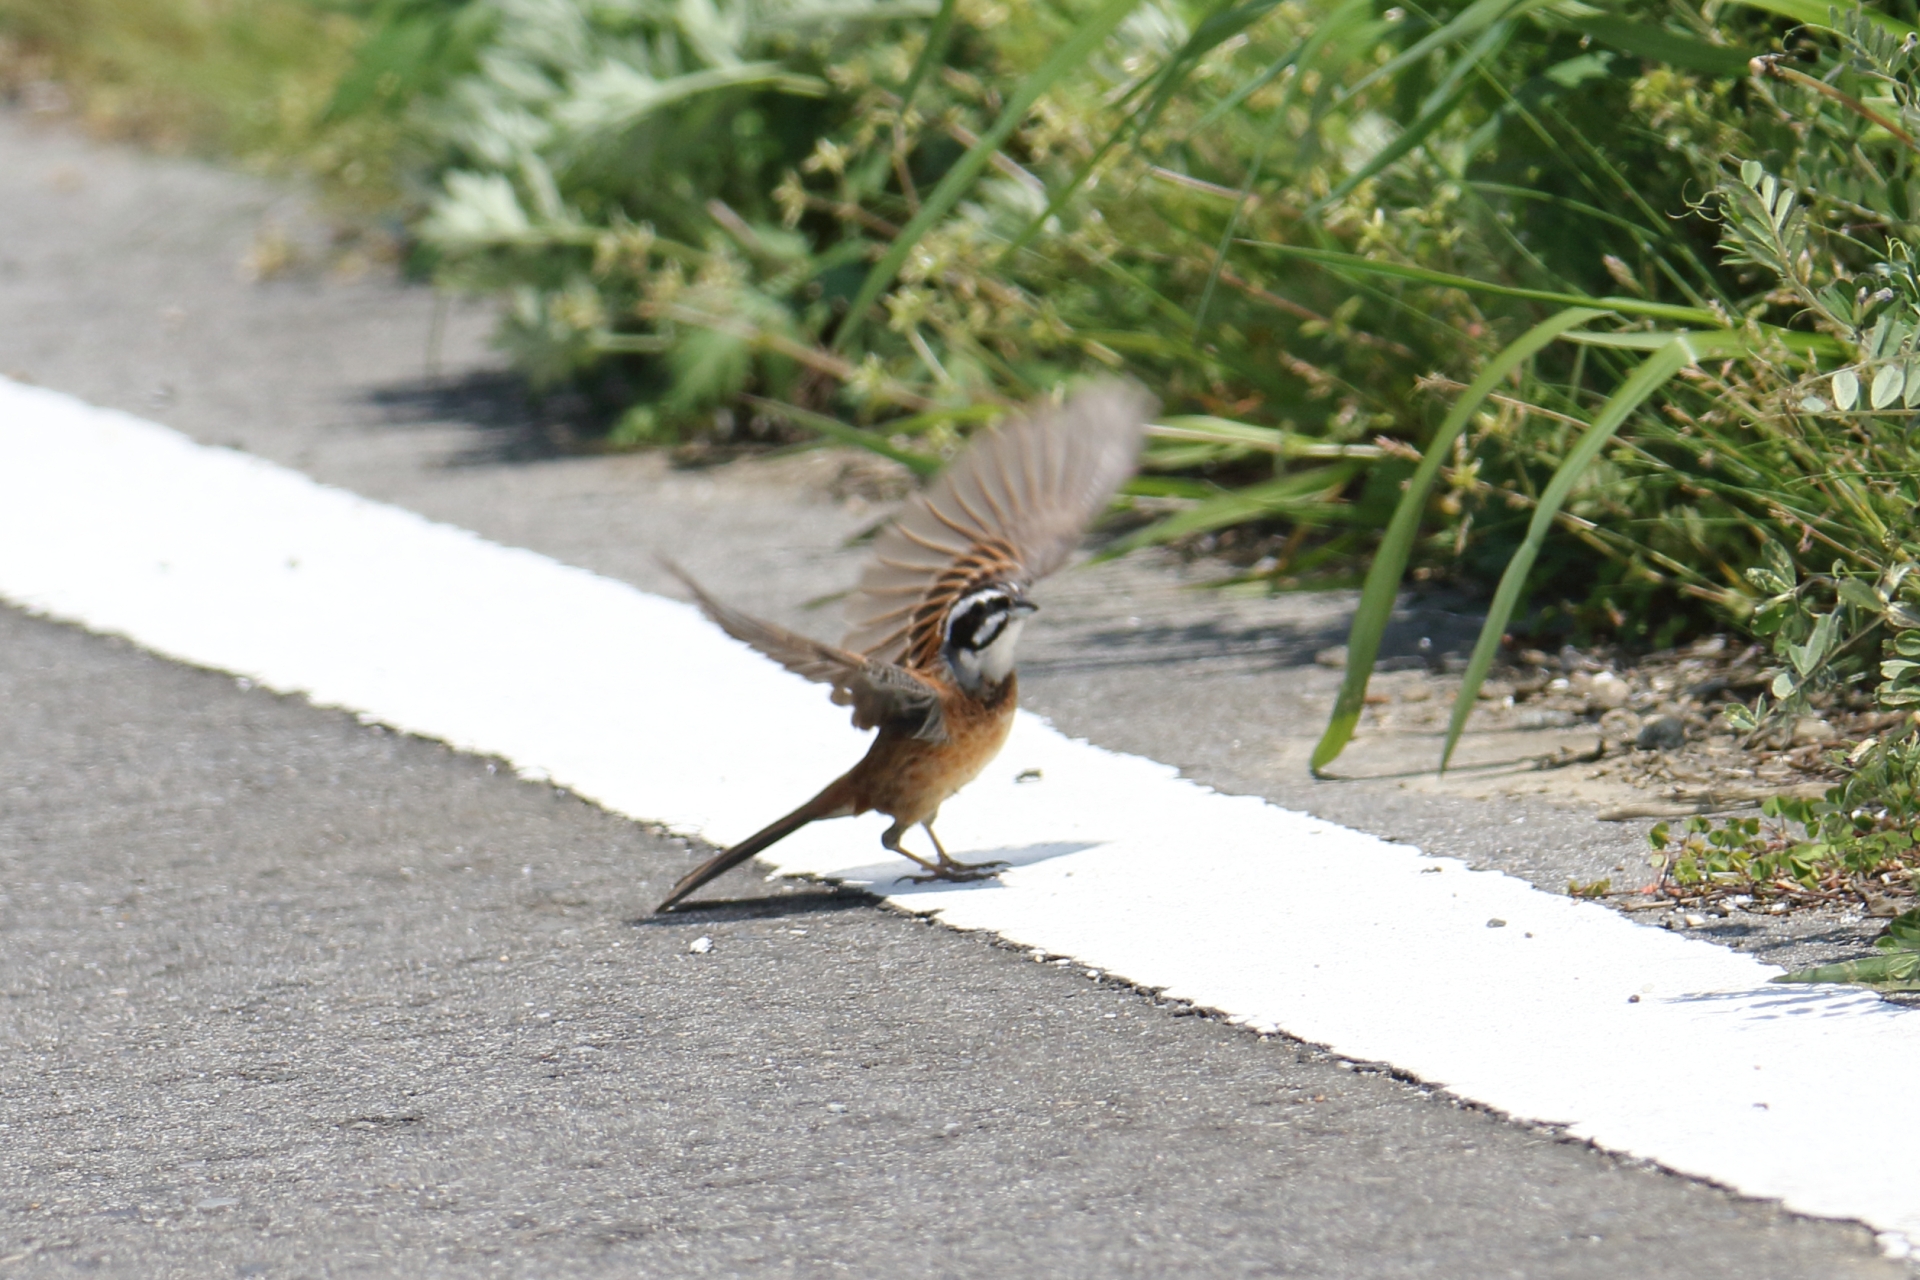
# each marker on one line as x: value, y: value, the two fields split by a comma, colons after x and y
x: 1859, y: 838
x: 1751, y: 437
x: 1896, y: 968
x: 1265, y: 210
x: 241, y: 78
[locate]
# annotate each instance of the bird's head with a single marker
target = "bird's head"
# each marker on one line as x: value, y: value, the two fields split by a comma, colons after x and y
x: 981, y: 630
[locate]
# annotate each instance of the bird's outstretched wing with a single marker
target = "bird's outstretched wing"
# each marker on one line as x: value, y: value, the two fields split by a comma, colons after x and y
x: 1011, y: 508
x: 881, y: 694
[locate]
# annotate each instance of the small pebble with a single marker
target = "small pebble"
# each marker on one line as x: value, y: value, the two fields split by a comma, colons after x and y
x: 1662, y: 733
x: 1811, y: 729
x: 700, y: 945
x: 1496, y: 923
x: 1620, y: 725
x: 1607, y: 692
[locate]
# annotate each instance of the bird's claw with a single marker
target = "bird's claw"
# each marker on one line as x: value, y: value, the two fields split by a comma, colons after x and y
x: 958, y: 872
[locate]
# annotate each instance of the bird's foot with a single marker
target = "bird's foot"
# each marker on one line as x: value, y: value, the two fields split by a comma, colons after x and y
x: 956, y: 872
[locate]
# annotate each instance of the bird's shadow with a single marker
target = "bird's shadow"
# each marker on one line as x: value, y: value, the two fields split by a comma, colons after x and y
x: 853, y: 887
x: 774, y: 906
x: 898, y: 878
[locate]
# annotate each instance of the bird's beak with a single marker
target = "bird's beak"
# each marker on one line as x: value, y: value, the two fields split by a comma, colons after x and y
x: 1023, y: 607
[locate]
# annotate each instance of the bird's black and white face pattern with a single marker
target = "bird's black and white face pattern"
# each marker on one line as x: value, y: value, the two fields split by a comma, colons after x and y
x: 982, y: 628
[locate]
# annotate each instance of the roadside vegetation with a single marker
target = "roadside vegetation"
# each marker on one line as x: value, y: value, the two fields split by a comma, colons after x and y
x: 246, y: 80
x: 1607, y: 307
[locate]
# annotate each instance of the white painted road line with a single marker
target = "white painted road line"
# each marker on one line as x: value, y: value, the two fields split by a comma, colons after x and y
x: 1646, y: 1042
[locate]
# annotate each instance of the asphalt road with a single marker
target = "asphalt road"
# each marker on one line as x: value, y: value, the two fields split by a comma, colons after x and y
x: 290, y: 995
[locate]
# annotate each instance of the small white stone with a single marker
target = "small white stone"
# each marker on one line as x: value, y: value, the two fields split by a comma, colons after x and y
x: 1811, y: 729
x: 700, y: 945
x: 1607, y: 692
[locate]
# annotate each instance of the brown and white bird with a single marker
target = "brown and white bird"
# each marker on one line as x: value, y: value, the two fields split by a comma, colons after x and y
x: 928, y: 660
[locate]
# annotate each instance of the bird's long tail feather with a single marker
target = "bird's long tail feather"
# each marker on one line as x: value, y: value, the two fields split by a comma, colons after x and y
x: 825, y: 805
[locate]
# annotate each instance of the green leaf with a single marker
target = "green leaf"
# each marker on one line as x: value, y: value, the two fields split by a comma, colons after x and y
x: 1087, y: 36
x: 1897, y: 971
x: 1887, y: 385
x: 1860, y: 595
x: 1903, y: 931
x: 1815, y: 13
x: 1653, y: 373
x: 1781, y: 564
x: 1846, y: 389
x: 1808, y: 657
x: 1390, y: 562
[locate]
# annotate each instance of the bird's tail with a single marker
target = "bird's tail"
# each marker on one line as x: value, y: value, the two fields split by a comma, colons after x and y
x: 825, y: 805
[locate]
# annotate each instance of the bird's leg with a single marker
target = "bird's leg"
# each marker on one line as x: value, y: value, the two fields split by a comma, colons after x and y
x: 947, y: 868
x: 891, y: 840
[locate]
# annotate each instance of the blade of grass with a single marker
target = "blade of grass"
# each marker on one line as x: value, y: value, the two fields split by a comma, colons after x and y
x: 921, y: 464
x: 919, y: 422
x: 1205, y: 428
x: 932, y: 54
x: 1814, y: 13
x: 1091, y: 32
x: 1294, y: 495
x: 1653, y: 373
x: 1797, y: 341
x: 1660, y: 45
x: 1425, y: 275
x: 1390, y: 562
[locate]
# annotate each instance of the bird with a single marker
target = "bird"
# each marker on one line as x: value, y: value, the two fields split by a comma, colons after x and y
x: 928, y: 659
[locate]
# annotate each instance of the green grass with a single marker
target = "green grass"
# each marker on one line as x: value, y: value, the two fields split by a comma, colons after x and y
x: 246, y: 80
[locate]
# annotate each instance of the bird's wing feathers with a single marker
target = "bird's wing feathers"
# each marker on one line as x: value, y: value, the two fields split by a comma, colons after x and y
x: 1011, y: 508
x: 880, y: 693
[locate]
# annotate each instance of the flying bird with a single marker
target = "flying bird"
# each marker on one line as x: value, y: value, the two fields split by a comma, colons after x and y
x: 928, y: 657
